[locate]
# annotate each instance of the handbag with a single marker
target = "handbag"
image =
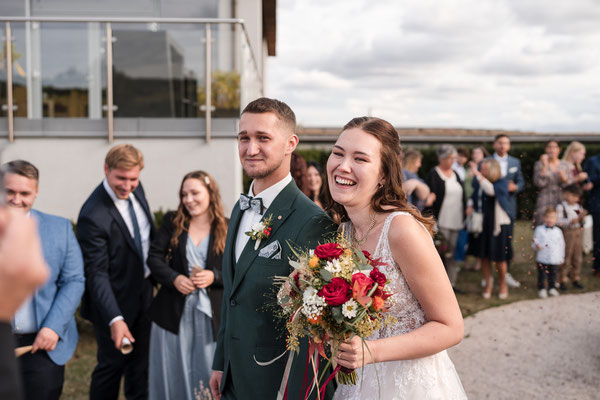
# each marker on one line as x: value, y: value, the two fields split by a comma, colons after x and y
x: 475, y: 222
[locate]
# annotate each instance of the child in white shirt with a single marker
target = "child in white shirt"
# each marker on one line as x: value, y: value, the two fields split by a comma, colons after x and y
x: 549, y: 243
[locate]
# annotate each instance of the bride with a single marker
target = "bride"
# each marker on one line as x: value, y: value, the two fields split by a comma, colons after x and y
x: 407, y: 360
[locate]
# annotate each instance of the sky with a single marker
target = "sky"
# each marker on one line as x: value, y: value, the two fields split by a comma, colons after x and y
x: 531, y: 65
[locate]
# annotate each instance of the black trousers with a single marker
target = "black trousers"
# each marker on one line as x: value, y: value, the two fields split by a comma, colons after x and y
x: 596, y: 235
x: 112, y: 364
x: 546, y: 273
x: 41, y: 378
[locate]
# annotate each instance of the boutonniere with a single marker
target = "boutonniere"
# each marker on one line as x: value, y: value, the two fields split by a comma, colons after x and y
x: 260, y: 230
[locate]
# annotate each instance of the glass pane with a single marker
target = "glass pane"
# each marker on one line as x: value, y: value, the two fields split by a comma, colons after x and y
x: 67, y: 68
x: 157, y: 70
x: 225, y: 75
x: 19, y: 71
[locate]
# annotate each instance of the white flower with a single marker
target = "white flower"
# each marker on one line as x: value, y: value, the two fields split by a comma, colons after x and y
x: 311, y: 253
x: 349, y: 309
x: 334, y: 267
x: 312, y: 303
x: 258, y: 227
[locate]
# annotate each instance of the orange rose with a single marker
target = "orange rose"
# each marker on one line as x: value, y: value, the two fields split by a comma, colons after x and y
x: 378, y: 303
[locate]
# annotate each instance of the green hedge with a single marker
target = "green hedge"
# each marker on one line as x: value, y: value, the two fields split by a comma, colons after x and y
x: 529, y: 153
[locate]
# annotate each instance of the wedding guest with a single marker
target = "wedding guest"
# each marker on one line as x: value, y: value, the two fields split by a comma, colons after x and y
x: 495, y: 243
x: 592, y: 168
x: 511, y: 170
x: 574, y: 155
x: 114, y: 229
x: 570, y: 220
x: 449, y: 206
x: 417, y: 191
x: 185, y: 258
x: 298, y: 171
x: 410, y: 355
x: 22, y: 270
x: 478, y: 153
x: 462, y: 156
x: 550, y: 174
x: 549, y: 246
x: 314, y: 183
x: 47, y: 319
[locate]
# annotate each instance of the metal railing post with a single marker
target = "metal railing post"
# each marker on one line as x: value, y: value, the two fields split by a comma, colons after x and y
x: 109, y: 83
x: 9, y: 82
x: 208, y: 80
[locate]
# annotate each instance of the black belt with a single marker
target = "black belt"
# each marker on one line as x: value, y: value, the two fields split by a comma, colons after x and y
x: 24, y: 339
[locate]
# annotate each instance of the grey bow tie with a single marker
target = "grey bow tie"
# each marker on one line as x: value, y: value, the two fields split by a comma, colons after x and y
x: 254, y: 203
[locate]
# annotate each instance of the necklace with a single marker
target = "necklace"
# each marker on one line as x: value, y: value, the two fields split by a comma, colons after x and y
x: 360, y: 242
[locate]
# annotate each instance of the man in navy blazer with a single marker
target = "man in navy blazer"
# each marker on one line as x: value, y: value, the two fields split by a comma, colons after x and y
x: 592, y: 167
x: 115, y: 229
x: 46, y: 321
x: 511, y: 170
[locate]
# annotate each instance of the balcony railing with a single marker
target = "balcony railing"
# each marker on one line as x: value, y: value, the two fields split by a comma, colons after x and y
x: 125, y: 68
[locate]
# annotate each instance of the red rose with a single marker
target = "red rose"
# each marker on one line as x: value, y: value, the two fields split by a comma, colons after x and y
x: 328, y: 251
x: 336, y: 292
x: 362, y: 280
x: 378, y: 276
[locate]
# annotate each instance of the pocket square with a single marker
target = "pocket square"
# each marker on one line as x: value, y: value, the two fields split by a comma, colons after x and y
x: 272, y: 251
x: 512, y: 170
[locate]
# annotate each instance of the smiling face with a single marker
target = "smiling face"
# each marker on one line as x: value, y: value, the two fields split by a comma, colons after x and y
x: 195, y: 197
x: 354, y: 168
x: 502, y: 146
x: 122, y: 181
x: 314, y: 180
x: 21, y: 191
x: 477, y: 155
x: 265, y: 145
x: 552, y: 150
x: 578, y: 156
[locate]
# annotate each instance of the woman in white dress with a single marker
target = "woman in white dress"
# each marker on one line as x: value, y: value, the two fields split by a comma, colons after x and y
x: 407, y: 360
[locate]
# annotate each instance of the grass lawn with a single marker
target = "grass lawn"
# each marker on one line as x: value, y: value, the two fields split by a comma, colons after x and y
x: 79, y: 368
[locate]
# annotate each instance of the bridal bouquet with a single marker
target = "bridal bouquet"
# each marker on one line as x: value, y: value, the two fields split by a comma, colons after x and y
x: 334, y: 293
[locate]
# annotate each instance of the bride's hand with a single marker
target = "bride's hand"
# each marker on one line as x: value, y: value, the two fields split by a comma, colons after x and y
x: 354, y: 353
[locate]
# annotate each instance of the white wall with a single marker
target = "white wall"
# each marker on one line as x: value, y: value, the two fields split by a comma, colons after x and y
x: 70, y: 169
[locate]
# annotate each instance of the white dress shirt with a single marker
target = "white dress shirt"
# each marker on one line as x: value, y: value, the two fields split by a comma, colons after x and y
x: 250, y: 217
x: 552, y: 245
x: 503, y: 163
x: 568, y: 215
x: 143, y: 222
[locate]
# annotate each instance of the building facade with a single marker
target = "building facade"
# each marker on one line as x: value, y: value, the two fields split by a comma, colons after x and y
x: 168, y: 76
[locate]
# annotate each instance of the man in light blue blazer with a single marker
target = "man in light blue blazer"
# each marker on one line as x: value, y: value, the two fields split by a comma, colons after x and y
x: 46, y: 321
x: 511, y: 170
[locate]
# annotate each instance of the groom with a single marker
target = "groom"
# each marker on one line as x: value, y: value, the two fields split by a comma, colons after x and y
x: 249, y: 332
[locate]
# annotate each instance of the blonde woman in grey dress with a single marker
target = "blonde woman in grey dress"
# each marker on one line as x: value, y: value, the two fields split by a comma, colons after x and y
x: 185, y: 258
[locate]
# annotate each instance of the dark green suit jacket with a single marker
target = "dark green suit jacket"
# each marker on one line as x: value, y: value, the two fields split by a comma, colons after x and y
x: 249, y: 331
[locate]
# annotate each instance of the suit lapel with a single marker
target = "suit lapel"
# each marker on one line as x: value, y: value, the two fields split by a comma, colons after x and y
x: 234, y: 224
x: 280, y: 210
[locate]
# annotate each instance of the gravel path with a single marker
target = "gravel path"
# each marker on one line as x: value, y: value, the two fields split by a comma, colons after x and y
x: 536, y: 349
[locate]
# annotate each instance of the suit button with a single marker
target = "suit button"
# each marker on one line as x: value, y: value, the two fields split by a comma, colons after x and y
x: 233, y: 303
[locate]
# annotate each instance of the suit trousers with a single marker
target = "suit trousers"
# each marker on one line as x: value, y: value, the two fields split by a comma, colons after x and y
x: 41, y: 378
x: 112, y: 364
x: 573, y: 255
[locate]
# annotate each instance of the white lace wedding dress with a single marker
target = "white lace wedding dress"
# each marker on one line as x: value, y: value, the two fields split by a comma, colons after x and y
x: 432, y: 377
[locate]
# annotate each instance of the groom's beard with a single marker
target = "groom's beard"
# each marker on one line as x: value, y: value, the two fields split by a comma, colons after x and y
x: 260, y: 174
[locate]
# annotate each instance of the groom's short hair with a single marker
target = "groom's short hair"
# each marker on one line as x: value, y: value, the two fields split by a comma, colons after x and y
x: 283, y: 111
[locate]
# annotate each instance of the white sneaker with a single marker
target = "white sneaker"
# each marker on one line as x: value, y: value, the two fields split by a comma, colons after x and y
x: 512, y: 282
x: 553, y: 292
x: 542, y: 293
x: 491, y: 282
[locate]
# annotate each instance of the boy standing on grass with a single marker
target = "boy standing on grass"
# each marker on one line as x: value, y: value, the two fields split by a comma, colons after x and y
x: 549, y: 243
x: 570, y: 220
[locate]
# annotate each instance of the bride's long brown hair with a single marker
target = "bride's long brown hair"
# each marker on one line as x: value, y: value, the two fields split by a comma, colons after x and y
x: 218, y: 223
x: 390, y: 196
